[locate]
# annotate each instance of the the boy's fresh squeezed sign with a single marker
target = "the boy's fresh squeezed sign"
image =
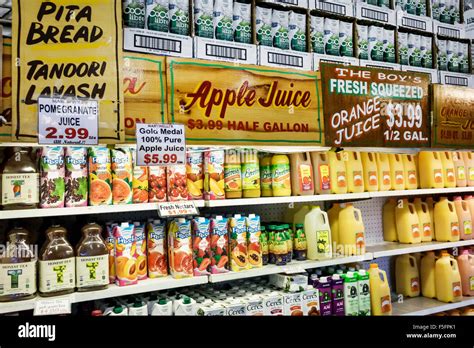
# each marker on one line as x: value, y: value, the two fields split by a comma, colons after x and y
x: 67, y: 48
x: 375, y: 107
x: 242, y: 104
x: 453, y: 116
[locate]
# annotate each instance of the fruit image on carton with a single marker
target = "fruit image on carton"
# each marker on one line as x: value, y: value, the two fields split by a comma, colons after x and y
x: 125, y: 254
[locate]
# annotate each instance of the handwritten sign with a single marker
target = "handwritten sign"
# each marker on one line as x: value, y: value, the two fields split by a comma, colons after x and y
x: 62, y: 49
x: 55, y: 306
x: 181, y: 208
x: 375, y: 107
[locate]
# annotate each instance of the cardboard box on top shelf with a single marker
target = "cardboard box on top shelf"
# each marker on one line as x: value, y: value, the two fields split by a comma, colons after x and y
x: 335, y: 7
x: 384, y: 15
x: 293, y: 3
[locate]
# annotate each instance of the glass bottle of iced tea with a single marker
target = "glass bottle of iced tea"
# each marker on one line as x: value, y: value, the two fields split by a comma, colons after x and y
x: 92, y: 259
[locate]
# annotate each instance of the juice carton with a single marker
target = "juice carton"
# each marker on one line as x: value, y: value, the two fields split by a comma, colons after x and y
x: 212, y: 310
x: 325, y: 301
x: 337, y: 294
x: 201, y: 246
x: 297, y: 30
x: 125, y: 254
x: 194, y: 175
x: 280, y: 29
x: 122, y: 176
x: 214, y: 175
x: 184, y: 306
x: 156, y: 184
x: 253, y: 242
x: 351, y: 298
x: 310, y: 298
x: 203, y: 18
x: 363, y: 284
x: 180, y: 248
x: 293, y: 304
x: 242, y: 23
x: 176, y: 179
x: 223, y: 14
x: 254, y: 306
x: 263, y: 26
x: 179, y: 17
x: 238, y: 243
x: 363, y: 41
x: 236, y: 308
x: 219, y: 245
x: 76, y: 177
x: 156, y: 247
x: 52, y: 177
x: 157, y: 15
x: 140, y: 181
x: 317, y: 34
x: 110, y: 242
x: 141, y: 250
x: 273, y: 304
x: 331, y: 36
x: 100, y: 176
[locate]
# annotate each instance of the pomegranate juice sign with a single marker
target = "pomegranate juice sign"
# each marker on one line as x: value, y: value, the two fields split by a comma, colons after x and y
x: 241, y: 104
x: 375, y: 107
x: 453, y: 116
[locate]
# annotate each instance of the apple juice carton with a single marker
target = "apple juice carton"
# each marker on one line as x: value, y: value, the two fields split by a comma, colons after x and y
x: 52, y: 177
x: 126, y: 268
x: 156, y: 184
x: 100, y: 176
x: 195, y: 175
x: 201, y: 246
x: 214, y: 175
x: 76, y: 177
x: 293, y: 304
x: 122, y: 176
x: 110, y: 242
x: 141, y: 250
x: 310, y: 298
x: 176, y: 180
x: 273, y: 304
x: 253, y: 235
x: 323, y: 284
x: 238, y: 243
x: 219, y: 245
x: 180, y: 248
x: 156, y: 249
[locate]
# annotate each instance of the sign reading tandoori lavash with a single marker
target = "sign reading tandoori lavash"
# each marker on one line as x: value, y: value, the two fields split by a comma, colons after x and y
x: 224, y: 103
x: 67, y: 48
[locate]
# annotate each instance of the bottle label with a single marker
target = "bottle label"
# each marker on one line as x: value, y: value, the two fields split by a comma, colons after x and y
x: 324, y: 182
x: 306, y: 178
x: 454, y: 229
x: 300, y: 240
x: 358, y: 178
x: 232, y: 178
x: 399, y: 177
x: 438, y: 176
x: 266, y: 177
x: 467, y: 227
x: 250, y: 176
x: 461, y: 173
x: 385, y: 304
x: 92, y: 270
x: 264, y: 242
x: 341, y: 179
x: 55, y: 275
x: 360, y: 241
x: 18, y: 278
x: 450, y: 175
x: 457, y: 292
x: 412, y: 177
x: 427, y: 229
x: 281, y: 177
x: 322, y: 240
x: 372, y: 178
x: 386, y: 178
x: 20, y: 188
x: 414, y: 284
x: 415, y: 230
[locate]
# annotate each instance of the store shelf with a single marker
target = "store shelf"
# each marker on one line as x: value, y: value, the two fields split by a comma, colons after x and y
x: 102, y: 209
x: 293, y: 267
x: 421, y: 192
x: 427, y: 306
x: 392, y: 249
x: 112, y: 291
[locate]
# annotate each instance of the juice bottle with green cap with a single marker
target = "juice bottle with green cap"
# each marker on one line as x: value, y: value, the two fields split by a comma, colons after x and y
x: 280, y: 246
x: 289, y: 241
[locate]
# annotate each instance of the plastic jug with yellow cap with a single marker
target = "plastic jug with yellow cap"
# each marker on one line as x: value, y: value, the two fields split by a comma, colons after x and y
x: 371, y: 178
x: 459, y: 169
x: 351, y: 230
x: 407, y: 278
x: 447, y: 279
x: 333, y: 215
x: 354, y: 171
x: 430, y: 201
x: 318, y: 234
x: 430, y: 169
x: 466, y: 270
x: 424, y: 218
x: 468, y: 158
x: 389, y: 223
x: 449, y: 175
x: 427, y: 275
x: 383, y: 171
x: 397, y: 172
x: 464, y: 218
x: 446, y: 221
x: 408, y: 225
x: 321, y: 168
x: 380, y: 300
x: 337, y: 172
x: 411, y: 172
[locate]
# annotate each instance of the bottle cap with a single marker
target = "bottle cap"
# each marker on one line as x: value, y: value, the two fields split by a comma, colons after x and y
x: 162, y: 301
x: 118, y: 309
x: 374, y: 265
x: 186, y: 300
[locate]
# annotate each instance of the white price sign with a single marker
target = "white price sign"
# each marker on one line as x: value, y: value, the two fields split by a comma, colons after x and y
x: 68, y: 121
x: 53, y: 306
x: 160, y: 144
x: 180, y: 208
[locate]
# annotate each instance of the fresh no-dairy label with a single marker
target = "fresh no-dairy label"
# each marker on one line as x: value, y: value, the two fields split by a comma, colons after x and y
x: 55, y: 275
x: 92, y: 270
x: 18, y: 278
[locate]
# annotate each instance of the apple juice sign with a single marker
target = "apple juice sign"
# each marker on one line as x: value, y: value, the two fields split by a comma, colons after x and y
x: 375, y: 107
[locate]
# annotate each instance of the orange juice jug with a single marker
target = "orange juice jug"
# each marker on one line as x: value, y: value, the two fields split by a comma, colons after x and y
x: 389, y: 222
x: 468, y: 158
x: 466, y: 270
x: 407, y: 276
x: 397, y: 172
x: 281, y: 176
x: 431, y: 169
x: 408, y: 225
x: 371, y: 178
x: 459, y: 169
x: 337, y: 172
x: 250, y: 174
x: 318, y: 234
x: 430, y: 201
x: 449, y: 176
x: 464, y: 218
x: 266, y: 175
x: 426, y: 227
x: 351, y: 231
x: 446, y: 221
x: 411, y: 172
x: 380, y: 301
x: 383, y: 170
x: 333, y: 215
x: 355, y: 173
x: 321, y: 168
x: 427, y: 275
x: 447, y: 279
x: 302, y: 181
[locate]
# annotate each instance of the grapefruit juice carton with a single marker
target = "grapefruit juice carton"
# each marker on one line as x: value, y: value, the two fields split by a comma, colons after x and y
x: 219, y: 245
x: 156, y: 249
x: 122, y: 176
x: 100, y: 176
x: 201, y: 246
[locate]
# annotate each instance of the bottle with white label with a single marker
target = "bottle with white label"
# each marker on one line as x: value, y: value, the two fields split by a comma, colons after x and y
x: 92, y: 260
x: 162, y: 307
x: 184, y: 306
x: 57, y: 265
x: 19, y: 187
x: 18, y: 267
x: 138, y: 308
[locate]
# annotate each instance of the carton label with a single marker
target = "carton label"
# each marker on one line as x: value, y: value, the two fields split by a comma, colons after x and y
x: 324, y: 182
x: 20, y: 188
x: 415, y: 230
x: 467, y: 227
x: 385, y: 304
x: 311, y: 302
x: 92, y: 270
x: 293, y: 305
x: 306, y: 180
x: 457, y: 292
x: 273, y: 306
x: 364, y: 298
x: 351, y: 300
x: 57, y: 275
x: 341, y: 179
x: 255, y: 308
x: 414, y: 284
x: 461, y: 173
x: 18, y: 278
x: 454, y: 228
x: 236, y: 310
x: 426, y: 229
x: 323, y: 242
